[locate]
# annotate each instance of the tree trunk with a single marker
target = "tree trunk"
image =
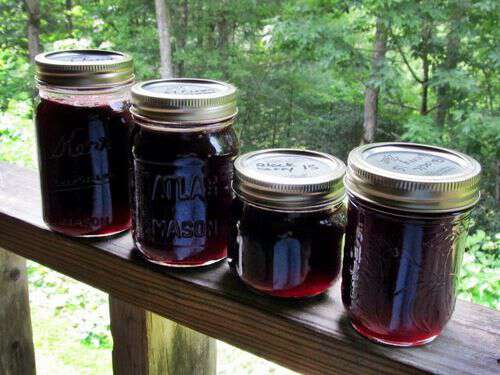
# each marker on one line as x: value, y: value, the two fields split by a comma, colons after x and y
x: 183, y: 36
x: 424, y: 105
x: 163, y: 22
x: 372, y: 89
x: 69, y: 17
x: 17, y: 355
x: 33, y: 28
x: 427, y: 30
x: 444, y: 95
x: 451, y: 60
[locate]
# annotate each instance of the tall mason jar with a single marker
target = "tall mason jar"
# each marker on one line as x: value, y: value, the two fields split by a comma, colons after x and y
x: 408, y: 214
x: 183, y: 147
x: 82, y: 123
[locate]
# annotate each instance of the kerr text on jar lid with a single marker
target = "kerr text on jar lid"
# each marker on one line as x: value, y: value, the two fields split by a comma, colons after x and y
x: 84, y: 68
x: 413, y: 177
x: 289, y: 179
x: 184, y: 101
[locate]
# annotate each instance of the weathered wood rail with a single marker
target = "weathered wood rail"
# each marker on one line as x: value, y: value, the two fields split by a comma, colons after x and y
x: 313, y: 337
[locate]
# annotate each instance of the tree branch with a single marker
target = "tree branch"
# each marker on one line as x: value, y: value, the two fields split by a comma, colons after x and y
x: 407, y: 63
x: 402, y: 105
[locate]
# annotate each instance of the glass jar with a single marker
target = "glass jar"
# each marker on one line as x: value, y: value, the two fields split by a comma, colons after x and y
x: 408, y: 214
x: 183, y: 148
x: 82, y: 123
x: 287, y: 222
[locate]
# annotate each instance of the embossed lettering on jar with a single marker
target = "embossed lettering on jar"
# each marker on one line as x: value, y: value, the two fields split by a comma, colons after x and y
x: 183, y: 149
x: 408, y: 214
x: 82, y: 124
x: 288, y: 222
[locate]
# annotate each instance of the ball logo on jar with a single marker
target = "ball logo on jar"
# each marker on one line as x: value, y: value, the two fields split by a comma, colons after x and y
x: 77, y: 143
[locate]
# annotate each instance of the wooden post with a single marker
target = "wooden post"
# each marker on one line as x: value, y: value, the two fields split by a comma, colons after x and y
x: 17, y: 355
x: 147, y: 344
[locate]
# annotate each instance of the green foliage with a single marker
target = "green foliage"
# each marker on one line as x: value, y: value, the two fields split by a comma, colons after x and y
x: 301, y: 67
x: 480, y: 279
x: 66, y: 298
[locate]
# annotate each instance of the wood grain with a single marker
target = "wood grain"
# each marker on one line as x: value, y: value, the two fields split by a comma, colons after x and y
x: 147, y: 344
x: 17, y: 355
x: 310, y: 336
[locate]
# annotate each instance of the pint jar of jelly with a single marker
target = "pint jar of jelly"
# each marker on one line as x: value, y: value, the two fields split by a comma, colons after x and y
x: 408, y: 212
x: 82, y: 122
x: 183, y: 148
x: 287, y: 221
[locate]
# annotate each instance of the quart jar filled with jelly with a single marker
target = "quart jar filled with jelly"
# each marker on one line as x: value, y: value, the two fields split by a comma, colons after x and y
x: 183, y: 148
x: 408, y: 214
x: 82, y: 122
x: 288, y: 221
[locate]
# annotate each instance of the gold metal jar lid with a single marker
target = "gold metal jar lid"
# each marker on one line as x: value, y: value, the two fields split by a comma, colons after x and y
x: 289, y: 179
x: 184, y: 101
x: 84, y: 69
x: 413, y: 177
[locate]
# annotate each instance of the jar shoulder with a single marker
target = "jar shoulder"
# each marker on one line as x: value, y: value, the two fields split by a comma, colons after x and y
x: 163, y: 145
x: 254, y: 216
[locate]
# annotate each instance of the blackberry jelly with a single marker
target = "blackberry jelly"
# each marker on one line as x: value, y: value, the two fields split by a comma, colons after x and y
x: 82, y: 122
x: 183, y: 147
x: 287, y: 222
x: 408, y: 215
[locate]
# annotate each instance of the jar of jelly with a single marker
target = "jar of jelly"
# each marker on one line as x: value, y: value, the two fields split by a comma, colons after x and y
x: 82, y: 122
x: 287, y: 221
x: 183, y: 148
x: 408, y: 213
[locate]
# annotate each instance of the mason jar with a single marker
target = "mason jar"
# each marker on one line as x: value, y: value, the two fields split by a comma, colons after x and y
x: 82, y: 123
x: 183, y: 147
x: 408, y: 213
x: 287, y: 221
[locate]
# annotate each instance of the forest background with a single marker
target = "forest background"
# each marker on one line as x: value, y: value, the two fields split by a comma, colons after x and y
x: 318, y: 74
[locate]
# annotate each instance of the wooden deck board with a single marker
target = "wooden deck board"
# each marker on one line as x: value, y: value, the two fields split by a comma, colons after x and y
x: 311, y: 337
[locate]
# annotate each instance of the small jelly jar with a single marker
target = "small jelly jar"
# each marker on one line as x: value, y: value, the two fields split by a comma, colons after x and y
x: 183, y: 148
x: 408, y: 215
x: 82, y: 122
x: 287, y: 222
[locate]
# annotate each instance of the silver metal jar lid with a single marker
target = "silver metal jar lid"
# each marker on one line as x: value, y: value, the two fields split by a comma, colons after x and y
x: 184, y: 101
x: 289, y: 179
x: 85, y: 69
x: 413, y: 177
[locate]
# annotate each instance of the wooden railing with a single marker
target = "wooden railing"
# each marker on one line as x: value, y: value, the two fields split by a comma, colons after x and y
x: 311, y: 337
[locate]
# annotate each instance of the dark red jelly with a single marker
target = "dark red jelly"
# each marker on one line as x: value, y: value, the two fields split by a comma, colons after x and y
x: 408, y: 215
x: 286, y: 254
x: 400, y: 273
x: 287, y: 221
x: 182, y: 194
x: 83, y: 160
x: 82, y: 124
x: 183, y: 147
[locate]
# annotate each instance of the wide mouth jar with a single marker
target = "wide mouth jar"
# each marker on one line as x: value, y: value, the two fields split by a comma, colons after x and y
x: 289, y: 180
x: 287, y: 221
x: 408, y: 214
x: 82, y: 121
x: 413, y: 177
x: 84, y: 69
x: 183, y: 148
x: 184, y: 104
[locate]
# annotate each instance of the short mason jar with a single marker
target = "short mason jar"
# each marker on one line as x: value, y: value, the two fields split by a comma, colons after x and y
x: 287, y: 221
x: 183, y: 148
x: 408, y: 215
x: 82, y: 123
